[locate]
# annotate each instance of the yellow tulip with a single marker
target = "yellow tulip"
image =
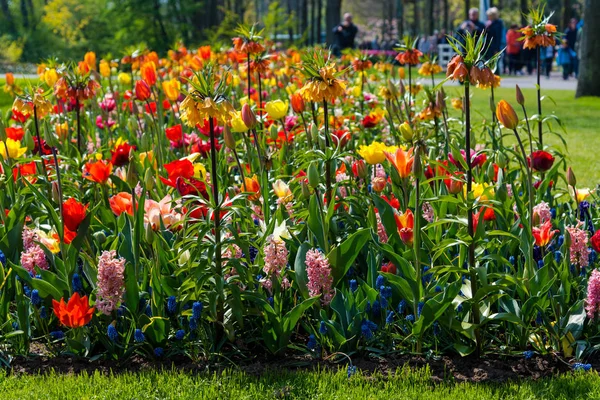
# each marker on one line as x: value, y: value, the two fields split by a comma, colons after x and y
x: 480, y: 191
x: 104, y: 69
x: 14, y: 148
x: 50, y: 77
x: 124, y: 78
x: 199, y: 171
x: 375, y: 152
x: 276, y: 109
x: 237, y: 123
x: 171, y: 89
x: 62, y: 130
x: 282, y: 191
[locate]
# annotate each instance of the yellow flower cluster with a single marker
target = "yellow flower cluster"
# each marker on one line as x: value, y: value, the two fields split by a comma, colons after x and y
x: 328, y: 87
x: 428, y: 68
x: 195, y: 112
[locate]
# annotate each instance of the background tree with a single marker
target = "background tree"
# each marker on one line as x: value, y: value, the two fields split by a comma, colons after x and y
x: 588, y: 83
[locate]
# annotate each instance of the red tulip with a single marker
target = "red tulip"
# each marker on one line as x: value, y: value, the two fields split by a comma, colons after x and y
x: 74, y: 314
x: 142, y: 91
x: 73, y: 213
x: 595, y: 241
x: 540, y: 161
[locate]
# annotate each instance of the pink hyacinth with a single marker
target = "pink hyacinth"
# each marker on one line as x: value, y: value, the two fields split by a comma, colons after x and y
x: 276, y: 256
x: 379, y: 172
x: 428, y: 213
x: 111, y: 281
x: 320, y: 281
x: 342, y: 177
x: 383, y: 237
x: 32, y: 257
x: 592, y: 302
x: 579, y: 250
x: 542, y: 210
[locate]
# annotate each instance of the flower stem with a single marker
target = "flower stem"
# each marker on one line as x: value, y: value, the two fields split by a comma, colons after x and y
x: 327, y: 162
x: 215, y: 185
x: 539, y: 101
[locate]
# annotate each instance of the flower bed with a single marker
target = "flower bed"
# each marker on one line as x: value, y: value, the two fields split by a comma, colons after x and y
x: 216, y: 204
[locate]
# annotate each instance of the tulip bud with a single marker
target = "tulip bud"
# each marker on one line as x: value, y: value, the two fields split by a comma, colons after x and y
x: 228, y: 138
x: 248, y: 116
x: 440, y: 101
x: 392, y: 88
x: 520, y: 97
x: 402, y: 89
x: 417, y: 167
x: 100, y: 237
x: 29, y: 142
x: 491, y: 172
x: 148, y: 179
x: 305, y: 190
x: 359, y: 167
x: 501, y: 160
x: 567, y: 243
x: 273, y: 132
x: 507, y: 115
x: 56, y: 192
x: 313, y: 175
x: 149, y: 233
x: 571, y: 180
x: 378, y: 184
x: 406, y: 130
x: 455, y: 186
x: 314, y: 132
x: 131, y: 177
x: 297, y: 103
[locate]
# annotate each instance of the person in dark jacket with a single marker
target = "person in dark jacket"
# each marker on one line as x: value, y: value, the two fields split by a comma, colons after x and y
x: 473, y: 26
x: 345, y: 34
x: 494, y: 31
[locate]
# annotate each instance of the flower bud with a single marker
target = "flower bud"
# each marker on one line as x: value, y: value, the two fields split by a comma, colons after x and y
x: 571, y: 180
x: 417, y: 167
x: 149, y: 233
x: 520, y: 97
x: 305, y: 190
x: 501, y: 160
x: 455, y: 186
x: 56, y: 192
x: 228, y: 138
x: 359, y: 168
x: 406, y: 131
x: 507, y: 115
x: 314, y: 132
x: 29, y: 142
x: 297, y: 103
x: 440, y: 101
x: 131, y: 177
x: 313, y: 175
x: 273, y: 132
x: 149, y: 179
x: 248, y: 116
x: 491, y: 172
x: 402, y: 89
x: 100, y: 237
x: 378, y: 184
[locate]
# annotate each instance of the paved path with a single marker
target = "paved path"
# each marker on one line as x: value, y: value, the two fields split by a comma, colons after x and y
x: 528, y: 82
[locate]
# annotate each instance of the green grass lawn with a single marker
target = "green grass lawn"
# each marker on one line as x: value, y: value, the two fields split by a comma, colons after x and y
x: 405, y: 384
x: 579, y: 116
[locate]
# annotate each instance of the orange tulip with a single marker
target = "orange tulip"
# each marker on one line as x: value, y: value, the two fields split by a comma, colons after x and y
x: 405, y: 223
x: 90, y: 59
x: 74, y: 314
x: 402, y: 161
x: 148, y: 72
x: 507, y: 115
x: 121, y: 203
x: 142, y: 91
x: 251, y: 185
x: 10, y: 79
x: 297, y: 103
x: 98, y: 172
x: 73, y: 213
x: 544, y: 234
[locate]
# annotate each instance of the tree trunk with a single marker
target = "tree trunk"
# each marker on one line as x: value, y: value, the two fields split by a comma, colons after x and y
x: 25, y: 14
x: 467, y: 7
x: 446, y: 16
x: 333, y: 16
x: 429, y: 17
x: 304, y: 21
x: 588, y: 83
x: 524, y: 12
x: 400, y: 17
x: 10, y: 23
x: 417, y: 19
x: 567, y: 13
x: 319, y: 21
x: 290, y: 25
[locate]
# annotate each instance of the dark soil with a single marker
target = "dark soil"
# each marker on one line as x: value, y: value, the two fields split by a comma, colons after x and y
x: 446, y: 368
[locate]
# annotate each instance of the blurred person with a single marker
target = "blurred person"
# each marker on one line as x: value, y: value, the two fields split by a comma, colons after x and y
x: 494, y: 29
x: 547, y: 58
x: 565, y: 58
x: 513, y: 49
x: 345, y: 34
x: 571, y: 38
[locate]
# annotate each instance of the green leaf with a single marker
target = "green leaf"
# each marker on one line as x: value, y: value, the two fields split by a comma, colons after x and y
x: 300, y: 269
x: 342, y: 256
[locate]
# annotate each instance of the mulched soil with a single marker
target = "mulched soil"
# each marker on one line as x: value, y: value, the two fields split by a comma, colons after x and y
x: 446, y: 368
